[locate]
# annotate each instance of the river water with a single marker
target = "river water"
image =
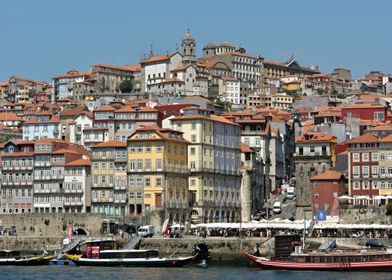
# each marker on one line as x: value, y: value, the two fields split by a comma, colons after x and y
x: 185, y: 273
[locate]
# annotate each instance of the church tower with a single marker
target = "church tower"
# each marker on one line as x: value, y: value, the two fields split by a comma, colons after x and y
x: 189, y: 49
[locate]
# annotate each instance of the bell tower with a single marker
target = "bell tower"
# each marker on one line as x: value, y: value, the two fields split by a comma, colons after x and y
x: 189, y: 49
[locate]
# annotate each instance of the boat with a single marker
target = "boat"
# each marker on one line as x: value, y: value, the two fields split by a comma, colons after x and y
x: 328, y: 258
x: 13, y: 257
x: 100, y: 255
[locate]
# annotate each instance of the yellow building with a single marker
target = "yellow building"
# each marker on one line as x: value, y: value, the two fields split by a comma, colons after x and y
x: 158, y: 167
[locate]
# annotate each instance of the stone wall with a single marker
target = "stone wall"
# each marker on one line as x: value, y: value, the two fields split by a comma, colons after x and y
x: 51, y: 225
x: 364, y: 215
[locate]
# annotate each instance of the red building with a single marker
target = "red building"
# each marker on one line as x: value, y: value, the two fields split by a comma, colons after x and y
x: 365, y: 112
x: 363, y: 167
x: 326, y: 187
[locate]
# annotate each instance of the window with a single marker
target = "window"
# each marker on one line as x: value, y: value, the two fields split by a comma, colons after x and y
x: 365, y: 185
x: 316, y: 195
x: 315, y: 184
x: 365, y: 157
x: 148, y: 148
x: 132, y: 148
x: 148, y: 164
x: 312, y: 149
x: 158, y: 181
x: 193, y: 125
x: 356, y: 171
x: 335, y: 194
x: 382, y: 171
x: 139, y: 195
x: 193, y: 138
x: 356, y: 185
x: 158, y: 164
x: 365, y: 171
x: 374, y: 185
x: 374, y: 171
x: 132, y: 165
x: 139, y: 164
x: 355, y: 157
x: 140, y: 148
x: 159, y: 148
x: 147, y: 182
x: 379, y: 116
x: 382, y: 157
x: 374, y: 156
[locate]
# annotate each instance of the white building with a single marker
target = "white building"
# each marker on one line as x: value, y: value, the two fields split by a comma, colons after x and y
x: 157, y: 68
x: 63, y: 84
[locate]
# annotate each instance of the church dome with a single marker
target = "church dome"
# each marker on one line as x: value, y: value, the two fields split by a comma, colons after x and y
x: 188, y: 36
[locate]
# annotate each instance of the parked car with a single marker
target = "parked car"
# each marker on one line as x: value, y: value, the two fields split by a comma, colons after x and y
x: 277, y: 208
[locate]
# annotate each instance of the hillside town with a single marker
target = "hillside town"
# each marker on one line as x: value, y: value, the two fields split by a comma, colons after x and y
x: 221, y: 138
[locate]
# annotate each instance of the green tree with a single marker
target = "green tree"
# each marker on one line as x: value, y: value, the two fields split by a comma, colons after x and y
x: 389, y: 208
x: 126, y: 86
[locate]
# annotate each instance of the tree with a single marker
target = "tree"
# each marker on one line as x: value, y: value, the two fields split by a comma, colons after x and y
x: 126, y: 86
x: 389, y: 208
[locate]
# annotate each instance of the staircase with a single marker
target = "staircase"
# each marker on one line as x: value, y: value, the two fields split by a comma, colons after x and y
x: 133, y: 243
x: 71, y: 245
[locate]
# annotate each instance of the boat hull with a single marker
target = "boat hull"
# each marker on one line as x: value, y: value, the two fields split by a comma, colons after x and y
x: 152, y: 262
x: 378, y: 266
x: 25, y: 261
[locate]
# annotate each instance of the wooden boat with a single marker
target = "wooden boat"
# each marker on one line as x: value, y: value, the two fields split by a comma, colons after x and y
x: 145, y: 258
x: 104, y: 253
x: 327, y: 259
x: 12, y: 257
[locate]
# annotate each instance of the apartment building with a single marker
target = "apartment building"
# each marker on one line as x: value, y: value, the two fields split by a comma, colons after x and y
x: 213, y: 163
x: 158, y: 170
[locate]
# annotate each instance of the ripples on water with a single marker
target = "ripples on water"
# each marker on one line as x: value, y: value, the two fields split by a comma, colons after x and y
x: 187, y: 273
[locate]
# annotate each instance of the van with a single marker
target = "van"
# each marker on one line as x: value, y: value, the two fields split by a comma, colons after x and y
x: 290, y: 193
x: 146, y: 231
x: 277, y: 208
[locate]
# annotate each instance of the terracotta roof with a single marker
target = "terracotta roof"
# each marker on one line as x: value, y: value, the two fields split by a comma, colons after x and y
x: 9, y: 116
x: 79, y: 162
x: 179, y: 68
x: 173, y: 80
x: 131, y: 68
x: 388, y: 138
x: 64, y: 151
x: 328, y: 175
x: 71, y: 74
x: 53, y: 119
x: 125, y: 109
x: 159, y: 58
x: 381, y: 127
x: 211, y: 118
x: 113, y: 143
x: 162, y: 132
x: 104, y: 108
x: 362, y: 106
x: 310, y: 137
x: 245, y: 148
x: 365, y: 138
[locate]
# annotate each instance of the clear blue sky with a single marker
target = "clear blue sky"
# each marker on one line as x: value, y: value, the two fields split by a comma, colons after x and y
x: 42, y: 38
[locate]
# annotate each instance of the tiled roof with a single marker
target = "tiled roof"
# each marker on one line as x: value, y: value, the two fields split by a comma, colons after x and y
x: 113, y: 143
x: 131, y: 68
x: 365, y: 138
x: 9, y: 116
x: 245, y: 148
x: 328, y: 175
x: 79, y: 162
x: 104, y: 108
x: 71, y: 74
x: 310, y: 137
x: 158, y: 58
